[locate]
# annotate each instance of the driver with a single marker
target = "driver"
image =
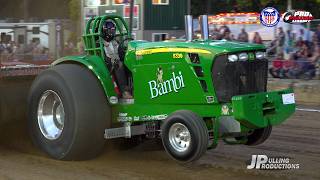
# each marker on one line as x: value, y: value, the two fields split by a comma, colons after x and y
x: 111, y: 49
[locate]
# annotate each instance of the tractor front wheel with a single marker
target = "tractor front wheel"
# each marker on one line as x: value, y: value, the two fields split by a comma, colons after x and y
x: 258, y: 136
x: 184, y: 136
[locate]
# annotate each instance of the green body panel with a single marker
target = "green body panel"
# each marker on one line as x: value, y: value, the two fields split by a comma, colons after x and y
x: 144, y: 68
x: 262, y: 109
x: 165, y: 80
x: 252, y: 111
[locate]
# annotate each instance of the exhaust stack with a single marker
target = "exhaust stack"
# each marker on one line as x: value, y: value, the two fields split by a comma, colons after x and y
x: 204, y: 27
x: 188, y: 27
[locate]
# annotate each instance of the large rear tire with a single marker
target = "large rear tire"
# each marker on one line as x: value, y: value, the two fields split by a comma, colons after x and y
x: 68, y: 113
x: 184, y: 136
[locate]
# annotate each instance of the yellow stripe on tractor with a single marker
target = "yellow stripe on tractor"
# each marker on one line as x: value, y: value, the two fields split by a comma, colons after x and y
x: 165, y: 50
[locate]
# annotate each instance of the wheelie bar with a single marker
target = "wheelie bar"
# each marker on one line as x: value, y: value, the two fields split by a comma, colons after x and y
x: 126, y: 131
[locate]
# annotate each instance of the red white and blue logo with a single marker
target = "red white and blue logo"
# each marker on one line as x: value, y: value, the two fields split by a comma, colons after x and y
x: 269, y: 17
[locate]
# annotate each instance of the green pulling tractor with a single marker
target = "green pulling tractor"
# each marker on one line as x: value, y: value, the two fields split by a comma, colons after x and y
x: 189, y: 93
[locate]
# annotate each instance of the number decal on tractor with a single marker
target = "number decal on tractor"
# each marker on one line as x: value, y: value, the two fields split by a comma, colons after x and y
x: 177, y: 55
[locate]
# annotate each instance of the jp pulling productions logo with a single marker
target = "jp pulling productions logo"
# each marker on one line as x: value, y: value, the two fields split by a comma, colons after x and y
x: 269, y: 17
x: 297, y: 17
x: 271, y: 163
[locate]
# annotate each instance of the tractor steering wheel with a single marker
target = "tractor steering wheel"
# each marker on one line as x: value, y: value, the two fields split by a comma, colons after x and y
x: 123, y: 46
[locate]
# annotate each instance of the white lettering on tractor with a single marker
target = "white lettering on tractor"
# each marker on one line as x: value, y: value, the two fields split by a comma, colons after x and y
x: 160, y: 88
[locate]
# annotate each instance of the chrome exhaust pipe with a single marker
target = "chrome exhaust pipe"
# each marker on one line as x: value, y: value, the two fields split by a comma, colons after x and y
x: 204, y: 27
x: 188, y: 27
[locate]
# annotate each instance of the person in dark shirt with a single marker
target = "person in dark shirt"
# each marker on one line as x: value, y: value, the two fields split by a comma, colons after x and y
x: 257, y: 38
x: 318, y: 34
x: 280, y: 40
x: 243, y: 36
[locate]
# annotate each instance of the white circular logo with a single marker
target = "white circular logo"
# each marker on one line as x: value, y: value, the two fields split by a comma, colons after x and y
x: 113, y: 100
x: 269, y: 17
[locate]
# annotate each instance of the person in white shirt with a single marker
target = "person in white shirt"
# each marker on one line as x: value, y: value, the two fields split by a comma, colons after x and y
x: 111, y: 50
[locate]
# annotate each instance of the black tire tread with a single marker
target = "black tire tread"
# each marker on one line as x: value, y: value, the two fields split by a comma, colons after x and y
x: 89, y: 106
x: 259, y: 136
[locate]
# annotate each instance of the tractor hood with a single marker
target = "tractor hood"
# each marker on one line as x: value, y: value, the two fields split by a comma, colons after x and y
x: 215, y: 47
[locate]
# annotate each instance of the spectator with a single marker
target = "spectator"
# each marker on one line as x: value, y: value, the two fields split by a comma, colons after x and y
x: 215, y: 34
x: 299, y: 42
x: 30, y: 47
x: 318, y: 34
x: 276, y: 70
x: 243, y: 36
x: 80, y: 47
x: 314, y: 44
x: 225, y: 32
x: 45, y: 54
x: 257, y: 38
x: 280, y: 40
x: 303, y: 36
x: 227, y: 36
x: 232, y: 37
x: 305, y: 67
x: 18, y: 56
x: 289, y: 41
x: 66, y: 50
x: 224, y: 29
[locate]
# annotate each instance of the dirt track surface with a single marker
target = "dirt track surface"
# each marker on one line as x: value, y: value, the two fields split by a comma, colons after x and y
x: 298, y: 138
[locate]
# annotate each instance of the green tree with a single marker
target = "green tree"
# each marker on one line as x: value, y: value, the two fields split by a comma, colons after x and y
x: 74, y: 9
x: 74, y: 15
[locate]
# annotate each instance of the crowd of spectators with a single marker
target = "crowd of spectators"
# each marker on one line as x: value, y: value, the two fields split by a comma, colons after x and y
x: 34, y: 51
x: 224, y: 32
x: 73, y: 49
x: 294, y: 55
x: 12, y: 51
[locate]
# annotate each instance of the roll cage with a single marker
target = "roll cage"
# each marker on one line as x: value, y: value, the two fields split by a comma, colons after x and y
x: 92, y: 36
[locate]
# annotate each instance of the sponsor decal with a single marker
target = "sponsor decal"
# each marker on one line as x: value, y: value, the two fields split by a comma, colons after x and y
x: 210, y: 99
x: 288, y: 98
x: 113, y: 100
x: 224, y: 110
x: 154, y: 117
x: 264, y: 162
x: 177, y: 55
x: 161, y: 87
x: 123, y: 117
x: 269, y: 17
x: 159, y: 75
x: 251, y: 56
x: 297, y: 17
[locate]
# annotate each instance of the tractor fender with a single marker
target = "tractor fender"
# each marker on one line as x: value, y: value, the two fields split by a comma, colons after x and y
x: 97, y: 66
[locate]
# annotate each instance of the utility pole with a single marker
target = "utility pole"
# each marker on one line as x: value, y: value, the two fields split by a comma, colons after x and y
x: 131, y: 17
x: 209, y: 6
x: 189, y: 7
x: 289, y: 5
x: 25, y: 10
x: 82, y: 25
x: 289, y: 8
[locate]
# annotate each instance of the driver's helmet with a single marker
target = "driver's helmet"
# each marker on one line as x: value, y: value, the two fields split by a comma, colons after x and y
x: 108, y: 30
